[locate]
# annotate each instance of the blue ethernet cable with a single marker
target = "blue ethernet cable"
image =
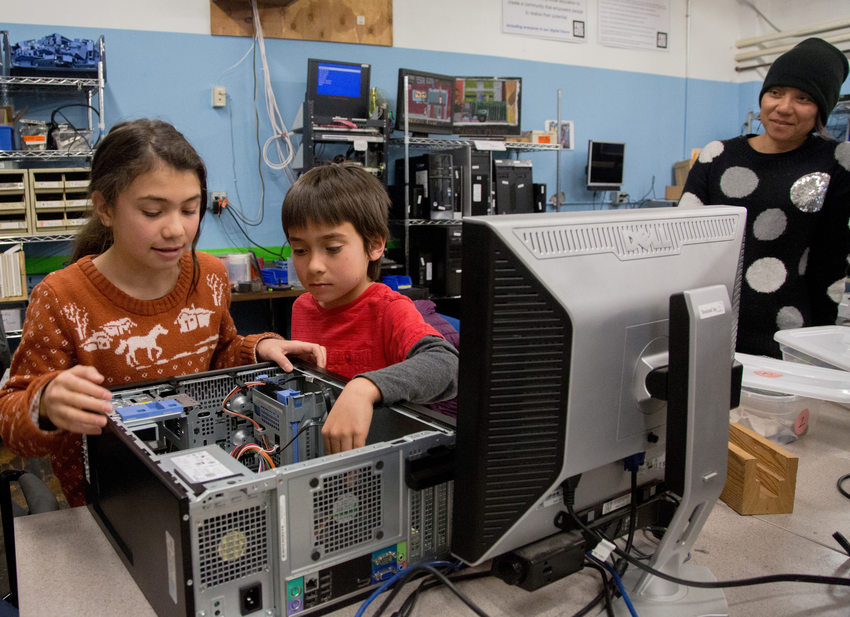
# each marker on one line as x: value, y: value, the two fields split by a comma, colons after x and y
x: 394, y: 578
x: 616, y: 576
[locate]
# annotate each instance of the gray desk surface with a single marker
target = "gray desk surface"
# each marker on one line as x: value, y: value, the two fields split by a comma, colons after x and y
x: 67, y: 567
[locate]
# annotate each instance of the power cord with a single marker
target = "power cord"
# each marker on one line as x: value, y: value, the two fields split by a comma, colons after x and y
x: 841, y: 482
x: 569, y: 498
x: 405, y: 576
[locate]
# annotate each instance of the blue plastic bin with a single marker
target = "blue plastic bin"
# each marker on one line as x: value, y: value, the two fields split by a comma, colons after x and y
x: 6, y: 137
x: 274, y: 276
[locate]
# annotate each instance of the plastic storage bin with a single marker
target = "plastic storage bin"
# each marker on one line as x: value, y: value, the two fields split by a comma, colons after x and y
x: 782, y: 418
x: 781, y: 399
x: 827, y: 346
x: 6, y: 137
x: 274, y: 276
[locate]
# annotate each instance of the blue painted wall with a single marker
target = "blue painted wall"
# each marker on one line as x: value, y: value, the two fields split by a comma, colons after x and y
x: 170, y: 76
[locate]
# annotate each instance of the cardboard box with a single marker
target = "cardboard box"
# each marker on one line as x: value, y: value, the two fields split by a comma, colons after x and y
x: 673, y: 193
x: 681, y: 170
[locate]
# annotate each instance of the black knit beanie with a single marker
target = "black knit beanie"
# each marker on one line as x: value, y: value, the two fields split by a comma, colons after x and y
x: 815, y: 67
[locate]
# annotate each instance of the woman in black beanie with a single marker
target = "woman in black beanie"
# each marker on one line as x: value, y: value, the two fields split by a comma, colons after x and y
x: 796, y: 188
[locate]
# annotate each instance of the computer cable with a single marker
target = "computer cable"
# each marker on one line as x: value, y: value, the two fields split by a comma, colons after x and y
x: 307, y: 425
x: 428, y: 582
x: 603, y: 595
x: 403, y: 575
x: 53, y: 126
x: 279, y: 131
x: 615, y: 576
x: 840, y: 485
x: 247, y: 237
x: 407, y: 607
x: 569, y: 497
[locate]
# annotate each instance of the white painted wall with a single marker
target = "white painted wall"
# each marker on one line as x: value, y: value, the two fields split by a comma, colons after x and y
x: 702, y: 39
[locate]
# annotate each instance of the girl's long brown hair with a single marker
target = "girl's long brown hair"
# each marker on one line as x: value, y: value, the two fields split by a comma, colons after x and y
x: 129, y: 150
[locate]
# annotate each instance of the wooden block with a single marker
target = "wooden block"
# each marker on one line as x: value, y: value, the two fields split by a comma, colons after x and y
x: 761, y: 477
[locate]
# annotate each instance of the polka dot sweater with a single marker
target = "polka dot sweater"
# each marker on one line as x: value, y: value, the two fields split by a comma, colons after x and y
x: 76, y: 316
x: 797, y: 237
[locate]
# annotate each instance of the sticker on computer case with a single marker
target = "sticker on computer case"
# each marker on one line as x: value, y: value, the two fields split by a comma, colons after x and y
x: 281, y: 515
x: 199, y: 467
x: 712, y: 309
x: 171, y: 556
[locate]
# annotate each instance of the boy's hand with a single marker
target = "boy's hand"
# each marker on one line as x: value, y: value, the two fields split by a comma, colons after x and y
x: 74, y: 401
x: 348, y: 422
x: 276, y: 350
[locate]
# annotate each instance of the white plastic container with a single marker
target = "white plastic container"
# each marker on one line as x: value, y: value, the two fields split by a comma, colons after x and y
x: 781, y: 399
x: 782, y: 418
x: 239, y: 268
x: 827, y: 346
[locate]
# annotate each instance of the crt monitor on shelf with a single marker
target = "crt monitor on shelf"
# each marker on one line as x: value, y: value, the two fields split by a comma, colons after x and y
x: 605, y: 164
x: 563, y: 317
x: 338, y: 89
x: 487, y: 106
x: 427, y: 99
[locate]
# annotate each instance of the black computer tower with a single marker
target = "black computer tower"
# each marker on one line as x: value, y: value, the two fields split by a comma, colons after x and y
x: 435, y: 258
x: 482, y: 190
x: 431, y: 185
x: 513, y: 186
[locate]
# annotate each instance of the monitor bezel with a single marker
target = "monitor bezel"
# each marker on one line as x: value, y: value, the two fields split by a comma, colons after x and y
x: 599, y: 185
x: 419, y: 125
x: 495, y: 129
x: 325, y: 105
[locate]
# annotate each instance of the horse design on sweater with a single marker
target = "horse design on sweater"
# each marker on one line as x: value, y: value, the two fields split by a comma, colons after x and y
x: 131, y: 345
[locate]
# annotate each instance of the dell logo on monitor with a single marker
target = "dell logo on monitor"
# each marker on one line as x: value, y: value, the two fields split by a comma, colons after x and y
x: 648, y: 238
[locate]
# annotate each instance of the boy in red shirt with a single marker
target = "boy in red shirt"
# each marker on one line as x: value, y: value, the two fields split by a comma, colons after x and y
x: 335, y: 218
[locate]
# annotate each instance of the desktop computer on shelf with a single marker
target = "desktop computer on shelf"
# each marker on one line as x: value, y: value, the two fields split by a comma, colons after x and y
x: 435, y: 258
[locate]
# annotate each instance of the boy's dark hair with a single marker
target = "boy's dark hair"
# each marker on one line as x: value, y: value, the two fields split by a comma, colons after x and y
x: 338, y: 193
x: 129, y: 150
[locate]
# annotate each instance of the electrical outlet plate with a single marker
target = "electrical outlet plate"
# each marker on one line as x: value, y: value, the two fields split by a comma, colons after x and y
x: 219, y: 96
x: 215, y: 199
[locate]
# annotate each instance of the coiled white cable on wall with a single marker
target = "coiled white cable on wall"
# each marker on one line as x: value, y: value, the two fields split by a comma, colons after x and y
x: 279, y: 130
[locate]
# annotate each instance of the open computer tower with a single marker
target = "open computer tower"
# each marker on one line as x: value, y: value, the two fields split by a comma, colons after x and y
x: 287, y: 532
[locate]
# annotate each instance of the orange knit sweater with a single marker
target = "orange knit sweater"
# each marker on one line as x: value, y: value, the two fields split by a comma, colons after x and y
x: 76, y: 316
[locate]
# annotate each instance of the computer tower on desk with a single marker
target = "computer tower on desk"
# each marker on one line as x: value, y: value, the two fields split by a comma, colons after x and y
x: 514, y: 190
x: 208, y: 523
x: 482, y: 190
x: 435, y: 258
x: 432, y: 176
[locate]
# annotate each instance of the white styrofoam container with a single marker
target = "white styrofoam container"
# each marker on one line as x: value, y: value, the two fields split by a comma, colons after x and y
x: 827, y: 346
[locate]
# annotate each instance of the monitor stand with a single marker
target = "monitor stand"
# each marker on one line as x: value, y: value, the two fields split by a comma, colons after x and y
x: 698, y: 390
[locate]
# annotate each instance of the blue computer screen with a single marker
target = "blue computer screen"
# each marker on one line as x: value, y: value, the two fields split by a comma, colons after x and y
x: 338, y: 80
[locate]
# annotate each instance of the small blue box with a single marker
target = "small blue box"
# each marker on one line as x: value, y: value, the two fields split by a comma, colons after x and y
x: 398, y: 281
x: 274, y: 276
x: 6, y: 137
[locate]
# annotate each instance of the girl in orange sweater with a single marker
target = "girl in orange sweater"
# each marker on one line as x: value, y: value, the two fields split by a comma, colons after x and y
x: 137, y: 303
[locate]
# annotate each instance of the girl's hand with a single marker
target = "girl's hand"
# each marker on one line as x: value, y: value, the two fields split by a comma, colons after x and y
x: 74, y: 401
x: 277, y: 350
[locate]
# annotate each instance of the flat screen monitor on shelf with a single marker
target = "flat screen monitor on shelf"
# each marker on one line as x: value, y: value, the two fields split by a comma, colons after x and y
x: 338, y: 89
x: 429, y: 102
x: 487, y: 106
x: 605, y: 162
